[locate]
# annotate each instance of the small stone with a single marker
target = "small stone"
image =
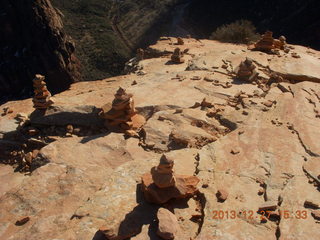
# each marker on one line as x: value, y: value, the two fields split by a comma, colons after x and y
x: 179, y: 110
x: 211, y: 113
x: 270, y: 205
x: 134, y: 82
x: 35, y: 153
x: 222, y: 195
x: 168, y: 224
x: 69, y: 128
x: 245, y: 113
x: 205, y: 185
x: 235, y: 151
x: 76, y: 130
x: 196, y: 78
x: 261, y: 191
x: 131, y: 133
x: 208, y: 78
x: 161, y: 118
x: 268, y: 103
x: 22, y: 221
x: 150, y: 145
x: 316, y: 214
x: 28, y: 157
x: 33, y: 131
x: 224, y: 66
x: 295, y: 55
x: 68, y: 135
x: 141, y: 73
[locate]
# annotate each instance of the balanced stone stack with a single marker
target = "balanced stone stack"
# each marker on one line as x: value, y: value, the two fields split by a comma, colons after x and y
x: 280, y: 43
x: 180, y: 41
x: 177, y: 56
x: 121, y: 113
x: 265, y: 43
x: 246, y: 71
x: 162, y: 175
x: 41, y: 99
x: 140, y: 54
x: 161, y: 184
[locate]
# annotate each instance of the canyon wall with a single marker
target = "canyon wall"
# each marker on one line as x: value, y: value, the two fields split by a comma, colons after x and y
x: 33, y: 41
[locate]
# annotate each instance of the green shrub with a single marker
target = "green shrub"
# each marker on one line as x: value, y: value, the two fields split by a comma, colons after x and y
x: 240, y: 31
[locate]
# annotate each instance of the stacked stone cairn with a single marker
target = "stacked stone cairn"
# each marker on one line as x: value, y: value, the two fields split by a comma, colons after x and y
x: 161, y: 184
x: 177, y: 56
x: 41, y: 99
x: 246, y: 71
x: 280, y: 43
x: 140, y: 54
x: 121, y: 113
x: 265, y: 43
x: 180, y: 41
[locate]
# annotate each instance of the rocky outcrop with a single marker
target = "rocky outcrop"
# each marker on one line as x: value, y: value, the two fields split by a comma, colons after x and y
x: 253, y: 146
x: 33, y: 41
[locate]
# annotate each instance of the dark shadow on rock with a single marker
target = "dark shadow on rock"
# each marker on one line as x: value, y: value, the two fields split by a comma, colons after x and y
x: 139, y: 194
x: 178, y: 203
x: 90, y: 138
x: 143, y: 214
x: 99, y: 236
x: 61, y: 116
x: 174, y: 146
x: 153, y: 227
x: 172, y: 63
x: 237, y: 81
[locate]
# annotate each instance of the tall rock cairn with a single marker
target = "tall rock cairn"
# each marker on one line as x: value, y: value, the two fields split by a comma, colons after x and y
x: 41, y: 99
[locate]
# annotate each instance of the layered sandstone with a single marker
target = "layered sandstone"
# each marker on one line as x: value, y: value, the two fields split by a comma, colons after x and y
x: 253, y: 146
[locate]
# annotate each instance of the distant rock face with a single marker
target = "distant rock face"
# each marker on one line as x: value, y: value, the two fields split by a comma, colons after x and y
x: 33, y: 41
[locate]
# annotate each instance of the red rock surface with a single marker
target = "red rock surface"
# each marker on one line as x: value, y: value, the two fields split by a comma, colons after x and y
x: 92, y: 180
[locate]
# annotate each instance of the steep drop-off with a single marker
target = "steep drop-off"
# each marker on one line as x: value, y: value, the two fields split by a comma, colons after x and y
x: 298, y: 20
x: 33, y: 41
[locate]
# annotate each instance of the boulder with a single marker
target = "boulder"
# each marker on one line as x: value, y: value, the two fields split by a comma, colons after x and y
x: 168, y: 224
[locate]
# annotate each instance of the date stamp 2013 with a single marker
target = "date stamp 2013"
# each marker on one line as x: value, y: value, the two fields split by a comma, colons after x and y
x: 259, y: 215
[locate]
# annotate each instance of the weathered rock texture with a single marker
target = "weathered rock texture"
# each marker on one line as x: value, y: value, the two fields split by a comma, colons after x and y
x: 33, y: 41
x: 257, y: 143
